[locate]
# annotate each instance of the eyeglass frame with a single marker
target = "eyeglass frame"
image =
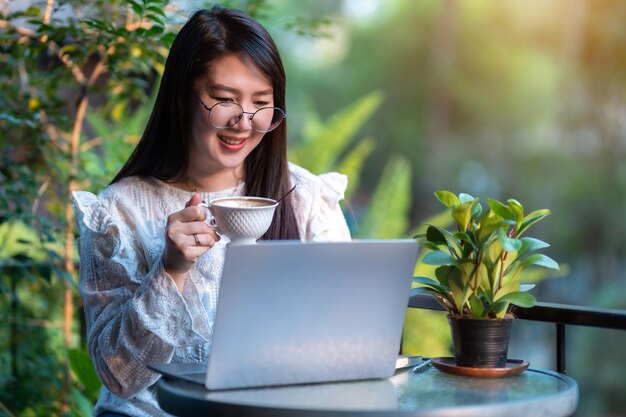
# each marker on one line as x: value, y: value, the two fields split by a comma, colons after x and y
x: 208, y: 109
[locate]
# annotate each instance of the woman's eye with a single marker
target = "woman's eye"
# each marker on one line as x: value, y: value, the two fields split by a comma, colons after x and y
x: 262, y: 104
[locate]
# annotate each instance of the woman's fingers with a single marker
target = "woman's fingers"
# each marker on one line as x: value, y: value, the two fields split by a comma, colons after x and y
x: 187, y: 237
x: 182, y: 234
x: 205, y: 239
x: 188, y: 214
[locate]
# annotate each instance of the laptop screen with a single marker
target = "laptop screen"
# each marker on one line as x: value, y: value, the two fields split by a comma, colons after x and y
x: 293, y: 312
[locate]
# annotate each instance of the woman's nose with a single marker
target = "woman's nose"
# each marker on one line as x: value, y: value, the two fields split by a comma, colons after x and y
x: 245, y: 122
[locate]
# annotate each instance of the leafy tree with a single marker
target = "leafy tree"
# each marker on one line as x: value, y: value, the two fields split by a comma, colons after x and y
x: 59, y: 63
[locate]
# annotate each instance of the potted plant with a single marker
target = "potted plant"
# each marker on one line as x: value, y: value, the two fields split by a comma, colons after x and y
x: 478, y: 271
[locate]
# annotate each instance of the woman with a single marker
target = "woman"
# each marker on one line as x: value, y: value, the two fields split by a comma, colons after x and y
x: 150, y: 264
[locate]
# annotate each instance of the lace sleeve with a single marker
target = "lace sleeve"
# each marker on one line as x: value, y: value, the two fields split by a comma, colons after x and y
x: 135, y: 315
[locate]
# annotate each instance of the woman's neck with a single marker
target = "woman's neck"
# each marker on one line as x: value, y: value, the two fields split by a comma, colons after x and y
x: 218, y: 181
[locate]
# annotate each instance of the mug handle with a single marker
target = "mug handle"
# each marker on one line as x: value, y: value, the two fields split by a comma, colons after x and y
x: 211, y: 222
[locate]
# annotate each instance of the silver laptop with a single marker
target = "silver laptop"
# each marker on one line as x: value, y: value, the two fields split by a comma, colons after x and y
x: 294, y: 312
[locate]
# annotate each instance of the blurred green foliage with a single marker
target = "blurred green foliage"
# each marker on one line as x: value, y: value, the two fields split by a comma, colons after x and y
x: 525, y: 98
x: 328, y: 145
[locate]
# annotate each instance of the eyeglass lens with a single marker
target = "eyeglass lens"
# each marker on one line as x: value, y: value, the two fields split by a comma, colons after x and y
x: 224, y: 115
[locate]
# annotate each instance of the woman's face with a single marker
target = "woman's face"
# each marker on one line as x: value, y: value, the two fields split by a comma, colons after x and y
x: 228, y: 79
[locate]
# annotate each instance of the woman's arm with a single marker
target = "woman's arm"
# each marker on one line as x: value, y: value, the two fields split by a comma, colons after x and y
x: 135, y: 313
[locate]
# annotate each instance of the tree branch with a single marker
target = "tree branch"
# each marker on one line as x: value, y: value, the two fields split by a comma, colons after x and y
x: 76, y: 71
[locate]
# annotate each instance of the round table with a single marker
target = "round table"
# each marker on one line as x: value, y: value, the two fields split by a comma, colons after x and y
x: 430, y: 393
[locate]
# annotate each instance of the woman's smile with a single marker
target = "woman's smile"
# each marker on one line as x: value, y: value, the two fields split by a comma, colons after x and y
x: 231, y: 143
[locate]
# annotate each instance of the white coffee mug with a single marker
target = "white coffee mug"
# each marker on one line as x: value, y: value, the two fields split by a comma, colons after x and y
x: 242, y: 219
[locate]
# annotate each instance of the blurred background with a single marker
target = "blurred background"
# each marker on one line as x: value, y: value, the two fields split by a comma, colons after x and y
x: 501, y: 99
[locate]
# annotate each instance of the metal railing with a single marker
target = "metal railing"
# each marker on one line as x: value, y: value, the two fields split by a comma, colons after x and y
x: 559, y: 314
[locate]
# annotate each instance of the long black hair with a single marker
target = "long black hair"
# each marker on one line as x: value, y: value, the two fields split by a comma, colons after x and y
x: 163, y: 151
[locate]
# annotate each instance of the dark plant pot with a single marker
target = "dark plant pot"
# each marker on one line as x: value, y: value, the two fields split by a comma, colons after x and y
x: 480, y: 343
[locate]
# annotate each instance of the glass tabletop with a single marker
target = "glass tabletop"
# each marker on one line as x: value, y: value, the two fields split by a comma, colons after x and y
x: 429, y: 393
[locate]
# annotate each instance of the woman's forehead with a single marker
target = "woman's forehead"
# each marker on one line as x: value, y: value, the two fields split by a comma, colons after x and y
x: 237, y: 74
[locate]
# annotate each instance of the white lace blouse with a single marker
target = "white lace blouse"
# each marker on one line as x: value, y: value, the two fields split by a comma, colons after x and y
x: 135, y: 314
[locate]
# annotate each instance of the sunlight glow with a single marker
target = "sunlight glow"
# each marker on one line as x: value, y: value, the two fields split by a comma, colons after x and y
x: 364, y: 11
x: 311, y: 53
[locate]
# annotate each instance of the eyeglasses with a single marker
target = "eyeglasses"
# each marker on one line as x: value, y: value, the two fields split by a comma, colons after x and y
x: 225, y: 114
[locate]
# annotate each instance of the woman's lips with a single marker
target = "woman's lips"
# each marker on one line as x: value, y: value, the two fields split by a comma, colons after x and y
x: 231, y: 144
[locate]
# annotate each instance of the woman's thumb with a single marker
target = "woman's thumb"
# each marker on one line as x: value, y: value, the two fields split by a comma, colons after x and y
x: 194, y: 200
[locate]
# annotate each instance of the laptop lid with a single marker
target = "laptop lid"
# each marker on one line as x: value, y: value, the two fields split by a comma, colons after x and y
x: 293, y: 312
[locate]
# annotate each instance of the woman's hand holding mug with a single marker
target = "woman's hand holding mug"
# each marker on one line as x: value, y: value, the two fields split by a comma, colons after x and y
x: 187, y: 237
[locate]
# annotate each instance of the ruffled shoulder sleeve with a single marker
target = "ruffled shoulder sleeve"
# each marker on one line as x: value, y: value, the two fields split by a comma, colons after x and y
x: 317, y: 204
x: 90, y: 212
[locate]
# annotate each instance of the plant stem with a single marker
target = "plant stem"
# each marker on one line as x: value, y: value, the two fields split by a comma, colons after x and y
x: 502, y: 259
x: 14, y: 333
x: 501, y: 272
x: 474, y: 275
x: 4, y: 409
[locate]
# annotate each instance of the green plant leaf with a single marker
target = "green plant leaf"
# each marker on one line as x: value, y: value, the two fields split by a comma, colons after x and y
x: 488, y: 225
x: 85, y: 372
x: 453, y: 244
x: 467, y: 239
x: 518, y: 211
x: 526, y: 287
x: 448, y: 199
x: 483, y: 277
x: 157, y: 10
x: 459, y: 295
x: 500, y: 209
x: 518, y: 298
x: 451, y: 278
x: 485, y: 295
x: 429, y: 245
x: 85, y: 407
x: 443, y: 274
x: 539, y: 259
x: 477, y: 211
x: 439, y: 258
x: 446, y: 301
x: 425, y: 291
x: 136, y: 7
x: 492, y: 249
x: 430, y: 282
x: 476, y: 304
x: 508, y: 285
x: 531, y: 219
x: 436, y: 291
x: 530, y: 244
x: 509, y: 244
x: 470, y: 244
x: 464, y: 198
x: 500, y: 309
x: 432, y: 287
x: 434, y: 235
x: 462, y: 214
